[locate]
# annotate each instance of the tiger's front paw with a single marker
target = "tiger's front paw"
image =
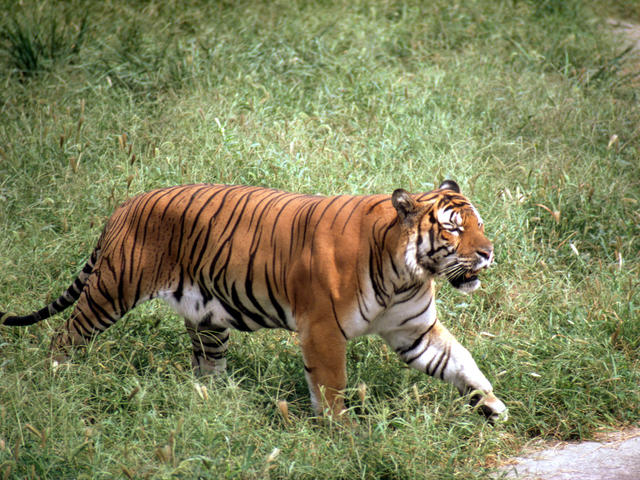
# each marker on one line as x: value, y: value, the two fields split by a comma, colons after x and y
x: 490, y: 406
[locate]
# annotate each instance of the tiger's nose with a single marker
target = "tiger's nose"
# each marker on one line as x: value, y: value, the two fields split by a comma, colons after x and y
x: 486, y: 255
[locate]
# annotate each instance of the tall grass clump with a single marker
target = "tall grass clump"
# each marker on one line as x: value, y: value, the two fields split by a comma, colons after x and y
x: 531, y: 106
x: 36, y: 42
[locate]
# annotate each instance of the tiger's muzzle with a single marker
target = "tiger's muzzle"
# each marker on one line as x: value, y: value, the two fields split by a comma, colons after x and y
x: 463, y: 275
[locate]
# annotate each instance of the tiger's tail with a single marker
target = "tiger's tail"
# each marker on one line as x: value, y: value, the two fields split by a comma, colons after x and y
x: 68, y: 298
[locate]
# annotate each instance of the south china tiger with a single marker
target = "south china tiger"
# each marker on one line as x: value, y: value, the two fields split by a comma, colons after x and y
x: 330, y: 268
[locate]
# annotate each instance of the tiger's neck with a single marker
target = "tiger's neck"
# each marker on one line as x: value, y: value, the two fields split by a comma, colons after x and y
x: 393, y: 266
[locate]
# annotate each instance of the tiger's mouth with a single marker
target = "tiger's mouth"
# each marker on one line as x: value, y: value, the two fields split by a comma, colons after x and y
x: 465, y: 280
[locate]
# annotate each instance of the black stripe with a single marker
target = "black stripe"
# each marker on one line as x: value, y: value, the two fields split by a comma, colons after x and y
x: 379, y: 202
x: 199, y: 341
x: 107, y: 295
x: 360, y: 303
x: 221, y: 275
x: 177, y: 293
x: 335, y: 315
x: 379, y: 292
x: 202, y: 209
x: 206, y: 294
x: 355, y: 207
x: 76, y: 288
x: 347, y: 201
x: 139, y: 217
x: 387, y: 230
x: 428, y: 366
x: 195, y: 266
x: 248, y: 290
x: 415, y: 357
x: 333, y: 200
x: 257, y: 318
x: 427, y: 195
x: 433, y: 251
x: 227, y: 191
x: 141, y: 207
x: 414, y: 344
x: 80, y: 327
x: 409, y: 360
x: 316, y: 225
x: 417, y: 314
x: 274, y: 302
x: 360, y: 300
x: 165, y: 192
x: 446, y: 362
x: 61, y: 303
x: 413, y: 292
x: 98, y: 314
x: 270, y: 197
x: 393, y: 264
x: 183, y: 220
x: 191, y: 263
x: 101, y: 312
x: 308, y: 217
x: 157, y: 269
x: 293, y: 239
x: 227, y: 242
x: 435, y: 368
x: 249, y: 278
x: 238, y: 322
x: 136, y: 297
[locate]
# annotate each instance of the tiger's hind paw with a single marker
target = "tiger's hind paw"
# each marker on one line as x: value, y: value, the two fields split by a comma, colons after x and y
x: 58, y: 360
x: 203, y: 367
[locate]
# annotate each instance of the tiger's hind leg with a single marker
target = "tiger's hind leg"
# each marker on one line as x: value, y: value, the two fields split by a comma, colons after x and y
x: 97, y: 308
x: 201, y: 314
x: 210, y: 345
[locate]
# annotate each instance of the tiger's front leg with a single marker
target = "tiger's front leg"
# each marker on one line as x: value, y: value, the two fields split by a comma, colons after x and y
x: 324, y: 355
x: 432, y: 349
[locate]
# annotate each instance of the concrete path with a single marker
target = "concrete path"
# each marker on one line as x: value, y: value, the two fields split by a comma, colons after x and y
x: 615, y: 458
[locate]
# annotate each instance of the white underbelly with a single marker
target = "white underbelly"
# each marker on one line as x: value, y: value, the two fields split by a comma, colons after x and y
x: 192, y: 306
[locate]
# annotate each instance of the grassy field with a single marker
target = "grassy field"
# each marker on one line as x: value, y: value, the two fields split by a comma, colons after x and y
x: 532, y: 106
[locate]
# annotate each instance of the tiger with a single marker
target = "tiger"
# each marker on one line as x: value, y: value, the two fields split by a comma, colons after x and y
x: 331, y: 268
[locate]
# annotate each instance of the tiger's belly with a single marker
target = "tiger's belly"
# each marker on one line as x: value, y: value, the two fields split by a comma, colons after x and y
x: 364, y: 318
x: 198, y: 310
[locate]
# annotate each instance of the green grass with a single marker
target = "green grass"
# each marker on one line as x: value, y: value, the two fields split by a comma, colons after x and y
x: 518, y: 101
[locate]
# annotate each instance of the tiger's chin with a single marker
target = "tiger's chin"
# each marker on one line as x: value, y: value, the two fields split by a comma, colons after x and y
x: 466, y: 283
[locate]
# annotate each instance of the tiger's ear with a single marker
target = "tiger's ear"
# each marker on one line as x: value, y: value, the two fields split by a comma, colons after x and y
x: 404, y: 204
x: 449, y: 185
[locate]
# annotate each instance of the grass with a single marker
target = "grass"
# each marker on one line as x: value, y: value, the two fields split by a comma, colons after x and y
x: 528, y: 105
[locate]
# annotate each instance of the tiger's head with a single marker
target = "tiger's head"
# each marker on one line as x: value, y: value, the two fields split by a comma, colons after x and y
x: 445, y: 235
